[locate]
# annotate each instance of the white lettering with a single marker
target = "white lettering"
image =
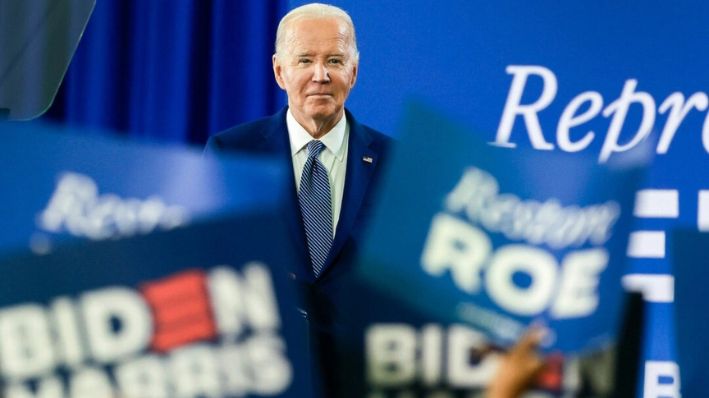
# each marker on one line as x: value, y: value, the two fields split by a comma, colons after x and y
x: 394, y: 353
x: 678, y: 111
x: 77, y: 207
x: 271, y: 371
x: 118, y: 323
x: 431, y: 347
x: 238, y: 301
x: 466, y: 252
x: 456, y: 246
x: 143, y: 377
x: 461, y: 373
x: 578, y: 287
x: 477, y: 196
x: 538, y: 264
x: 69, y: 347
x: 194, y: 372
x: 513, y: 106
x: 391, y: 354
x: 570, y: 119
x: 571, y: 116
x: 90, y: 383
x: 48, y: 387
x: 619, y: 110
x: 237, y: 375
x: 705, y: 133
x: 25, y: 343
x: 654, y: 387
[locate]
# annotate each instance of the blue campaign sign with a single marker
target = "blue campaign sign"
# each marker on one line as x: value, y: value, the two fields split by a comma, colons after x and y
x: 203, y: 310
x: 61, y: 186
x: 498, y: 239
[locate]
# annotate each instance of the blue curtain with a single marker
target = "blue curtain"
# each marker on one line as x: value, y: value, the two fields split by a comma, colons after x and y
x: 172, y: 70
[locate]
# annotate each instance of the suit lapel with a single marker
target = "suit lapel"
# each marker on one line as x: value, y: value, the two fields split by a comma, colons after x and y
x: 361, y: 162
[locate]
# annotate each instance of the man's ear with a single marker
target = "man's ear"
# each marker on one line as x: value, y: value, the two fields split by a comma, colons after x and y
x: 355, y: 68
x: 278, y: 71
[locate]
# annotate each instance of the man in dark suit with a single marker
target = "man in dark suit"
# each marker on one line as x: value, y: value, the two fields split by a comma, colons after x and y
x: 334, y: 161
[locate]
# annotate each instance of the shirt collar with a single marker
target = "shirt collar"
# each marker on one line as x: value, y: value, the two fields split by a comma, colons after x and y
x: 332, y: 140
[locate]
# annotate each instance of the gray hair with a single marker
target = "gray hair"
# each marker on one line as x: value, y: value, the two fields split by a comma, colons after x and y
x: 314, y: 11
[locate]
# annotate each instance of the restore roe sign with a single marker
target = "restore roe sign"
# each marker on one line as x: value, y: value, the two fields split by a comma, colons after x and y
x: 497, y: 239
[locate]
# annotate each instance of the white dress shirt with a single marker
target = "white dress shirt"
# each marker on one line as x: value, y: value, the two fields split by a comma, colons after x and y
x: 333, y: 157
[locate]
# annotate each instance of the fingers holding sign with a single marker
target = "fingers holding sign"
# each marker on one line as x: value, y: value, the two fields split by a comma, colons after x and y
x: 519, y: 366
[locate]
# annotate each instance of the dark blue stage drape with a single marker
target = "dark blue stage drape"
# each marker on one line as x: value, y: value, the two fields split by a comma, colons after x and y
x: 172, y: 70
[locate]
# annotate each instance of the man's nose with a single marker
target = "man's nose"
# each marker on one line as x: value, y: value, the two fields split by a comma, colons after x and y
x: 321, y: 73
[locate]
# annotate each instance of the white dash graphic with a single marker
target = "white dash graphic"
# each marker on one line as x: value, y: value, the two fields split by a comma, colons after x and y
x: 703, y: 211
x: 646, y: 244
x: 656, y: 288
x: 657, y: 203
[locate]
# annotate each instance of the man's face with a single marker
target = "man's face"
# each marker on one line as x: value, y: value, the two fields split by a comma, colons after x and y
x: 317, y: 69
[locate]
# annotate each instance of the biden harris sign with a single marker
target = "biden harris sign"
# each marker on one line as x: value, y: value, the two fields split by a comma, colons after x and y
x: 203, y: 310
x: 135, y: 271
x: 498, y: 240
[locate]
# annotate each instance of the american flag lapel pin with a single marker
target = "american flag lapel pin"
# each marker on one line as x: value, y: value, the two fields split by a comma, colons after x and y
x: 367, y: 159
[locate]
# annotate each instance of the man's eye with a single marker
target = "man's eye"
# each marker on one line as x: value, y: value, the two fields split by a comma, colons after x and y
x: 304, y: 61
x: 335, y: 61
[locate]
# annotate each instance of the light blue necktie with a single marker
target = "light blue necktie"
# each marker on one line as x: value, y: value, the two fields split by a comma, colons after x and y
x: 316, y: 207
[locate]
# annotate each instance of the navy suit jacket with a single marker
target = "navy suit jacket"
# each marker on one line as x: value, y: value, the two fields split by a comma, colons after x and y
x: 367, y: 153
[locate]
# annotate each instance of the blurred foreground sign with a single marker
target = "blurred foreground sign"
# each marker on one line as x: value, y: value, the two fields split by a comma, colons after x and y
x: 497, y: 239
x: 153, y: 273
x: 690, y: 262
x: 198, y: 311
x: 60, y: 186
